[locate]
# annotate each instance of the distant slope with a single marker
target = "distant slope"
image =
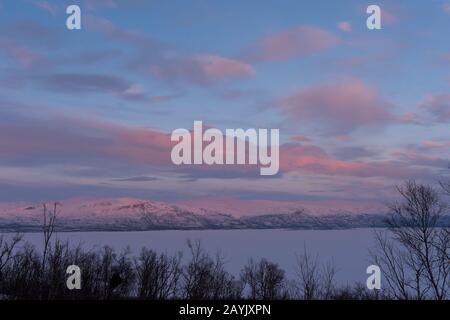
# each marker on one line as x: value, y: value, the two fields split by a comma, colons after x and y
x: 128, y: 214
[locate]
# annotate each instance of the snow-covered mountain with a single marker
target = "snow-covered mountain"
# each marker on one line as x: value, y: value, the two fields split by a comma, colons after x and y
x: 126, y: 214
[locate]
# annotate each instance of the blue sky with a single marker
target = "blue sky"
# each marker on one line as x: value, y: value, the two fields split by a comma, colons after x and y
x: 86, y: 112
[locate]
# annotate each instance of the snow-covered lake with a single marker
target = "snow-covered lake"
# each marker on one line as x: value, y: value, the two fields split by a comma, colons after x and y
x: 348, y: 248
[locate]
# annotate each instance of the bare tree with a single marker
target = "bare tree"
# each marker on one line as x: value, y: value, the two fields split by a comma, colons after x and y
x: 115, y: 274
x: 158, y: 275
x: 6, y: 253
x: 316, y: 280
x: 205, y: 277
x: 265, y: 280
x: 328, y: 280
x: 445, y: 235
x: 359, y: 291
x: 393, y: 263
x: 415, y: 254
x: 23, y: 274
x: 48, y: 227
x: 7, y: 249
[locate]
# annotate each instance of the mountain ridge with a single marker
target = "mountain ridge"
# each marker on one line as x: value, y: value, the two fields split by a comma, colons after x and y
x: 130, y: 214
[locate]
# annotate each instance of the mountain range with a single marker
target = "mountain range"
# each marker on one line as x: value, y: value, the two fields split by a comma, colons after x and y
x: 130, y: 214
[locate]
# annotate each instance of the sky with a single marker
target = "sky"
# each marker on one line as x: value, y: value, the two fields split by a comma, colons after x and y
x: 89, y: 113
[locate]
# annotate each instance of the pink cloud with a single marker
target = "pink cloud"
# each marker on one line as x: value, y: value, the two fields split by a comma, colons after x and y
x: 301, y: 139
x: 117, y: 33
x: 165, y: 63
x: 409, y: 117
x: 413, y: 157
x: 446, y: 7
x: 436, y: 144
x: 343, y: 138
x: 219, y: 67
x: 201, y: 69
x: 93, y: 83
x: 338, y: 107
x: 143, y: 146
x: 438, y: 106
x: 138, y: 145
x: 22, y: 55
x: 87, y: 141
x: 45, y: 5
x: 83, y: 140
x: 388, y: 17
x: 345, y: 26
x: 294, y: 43
x: 312, y: 159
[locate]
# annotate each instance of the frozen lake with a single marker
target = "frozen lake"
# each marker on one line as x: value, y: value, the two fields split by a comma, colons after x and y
x: 348, y: 248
